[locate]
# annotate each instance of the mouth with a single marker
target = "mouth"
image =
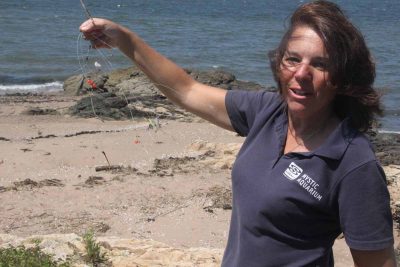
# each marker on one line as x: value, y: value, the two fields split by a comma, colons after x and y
x: 300, y: 92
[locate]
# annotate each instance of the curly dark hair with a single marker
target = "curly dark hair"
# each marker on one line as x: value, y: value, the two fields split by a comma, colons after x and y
x: 351, y: 67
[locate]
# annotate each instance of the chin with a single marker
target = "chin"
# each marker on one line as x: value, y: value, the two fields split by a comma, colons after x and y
x: 297, y: 109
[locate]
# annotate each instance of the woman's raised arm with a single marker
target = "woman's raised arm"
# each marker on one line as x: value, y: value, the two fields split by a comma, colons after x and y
x: 205, y: 101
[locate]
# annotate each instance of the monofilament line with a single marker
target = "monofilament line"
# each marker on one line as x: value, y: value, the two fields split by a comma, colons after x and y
x: 86, y: 11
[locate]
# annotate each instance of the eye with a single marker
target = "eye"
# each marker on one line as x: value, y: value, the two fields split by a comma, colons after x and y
x: 320, y: 65
x: 291, y: 61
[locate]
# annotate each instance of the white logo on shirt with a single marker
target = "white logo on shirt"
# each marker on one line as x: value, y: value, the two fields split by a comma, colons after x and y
x: 293, y: 171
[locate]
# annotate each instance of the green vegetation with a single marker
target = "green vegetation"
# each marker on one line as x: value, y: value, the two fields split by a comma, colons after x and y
x: 27, y: 257
x: 93, y: 254
x: 33, y: 257
x: 36, y: 241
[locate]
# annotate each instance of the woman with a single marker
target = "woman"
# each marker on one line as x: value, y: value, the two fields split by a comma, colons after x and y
x: 305, y: 173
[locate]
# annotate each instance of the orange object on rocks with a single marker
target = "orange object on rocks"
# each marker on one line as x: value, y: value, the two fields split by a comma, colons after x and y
x: 91, y: 83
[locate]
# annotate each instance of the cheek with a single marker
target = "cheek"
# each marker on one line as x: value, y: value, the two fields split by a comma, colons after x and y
x: 282, y: 86
x: 327, y: 93
x: 325, y: 80
x: 284, y: 78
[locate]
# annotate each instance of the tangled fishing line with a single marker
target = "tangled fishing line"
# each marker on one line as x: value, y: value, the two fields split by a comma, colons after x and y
x: 95, y: 66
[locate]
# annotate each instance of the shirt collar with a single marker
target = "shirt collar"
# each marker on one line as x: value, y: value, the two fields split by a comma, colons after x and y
x: 337, y: 142
x: 333, y: 148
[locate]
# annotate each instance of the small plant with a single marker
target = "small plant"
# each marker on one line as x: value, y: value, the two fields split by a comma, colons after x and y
x: 27, y: 257
x: 36, y: 241
x: 93, y: 254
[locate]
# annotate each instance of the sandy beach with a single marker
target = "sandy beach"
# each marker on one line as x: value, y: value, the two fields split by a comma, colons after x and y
x: 127, y: 179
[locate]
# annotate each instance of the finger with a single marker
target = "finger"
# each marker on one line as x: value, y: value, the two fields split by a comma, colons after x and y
x: 90, y: 25
x: 86, y: 26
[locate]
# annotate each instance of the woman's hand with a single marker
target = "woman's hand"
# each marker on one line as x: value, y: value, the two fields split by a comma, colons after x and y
x: 103, y: 33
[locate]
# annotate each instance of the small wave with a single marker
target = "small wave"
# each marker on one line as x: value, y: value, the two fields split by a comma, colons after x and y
x: 36, y: 88
x: 388, y: 132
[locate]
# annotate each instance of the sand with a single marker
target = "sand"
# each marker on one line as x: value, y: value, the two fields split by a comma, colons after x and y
x: 170, y: 184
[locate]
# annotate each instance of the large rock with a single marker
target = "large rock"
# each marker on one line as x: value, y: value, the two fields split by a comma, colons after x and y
x: 120, y: 252
x: 130, y: 81
x: 133, y: 81
x: 134, y: 95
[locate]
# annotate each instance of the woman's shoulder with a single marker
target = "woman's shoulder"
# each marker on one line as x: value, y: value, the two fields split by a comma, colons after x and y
x: 254, y: 100
x: 262, y: 95
x: 359, y: 163
x: 247, y: 107
x: 360, y: 150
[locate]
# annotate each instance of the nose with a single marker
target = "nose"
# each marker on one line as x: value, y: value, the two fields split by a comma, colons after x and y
x: 303, y: 71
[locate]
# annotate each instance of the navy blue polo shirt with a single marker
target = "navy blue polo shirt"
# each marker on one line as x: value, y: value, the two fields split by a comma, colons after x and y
x: 289, y: 209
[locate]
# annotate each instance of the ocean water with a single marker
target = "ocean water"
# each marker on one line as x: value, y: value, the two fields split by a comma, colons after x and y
x: 40, y: 44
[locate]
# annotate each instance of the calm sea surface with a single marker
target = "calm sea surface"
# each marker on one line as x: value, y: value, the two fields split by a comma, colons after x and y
x: 40, y: 44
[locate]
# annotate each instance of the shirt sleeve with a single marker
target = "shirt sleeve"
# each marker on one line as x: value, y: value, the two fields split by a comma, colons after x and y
x: 364, y: 208
x: 243, y: 107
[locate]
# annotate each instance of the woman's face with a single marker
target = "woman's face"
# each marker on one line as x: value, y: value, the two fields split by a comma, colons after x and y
x: 304, y: 75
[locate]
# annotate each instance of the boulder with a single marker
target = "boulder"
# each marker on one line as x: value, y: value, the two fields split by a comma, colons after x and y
x: 134, y: 95
x: 133, y: 81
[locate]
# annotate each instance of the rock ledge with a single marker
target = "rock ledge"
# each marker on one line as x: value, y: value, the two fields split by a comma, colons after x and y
x: 120, y: 252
